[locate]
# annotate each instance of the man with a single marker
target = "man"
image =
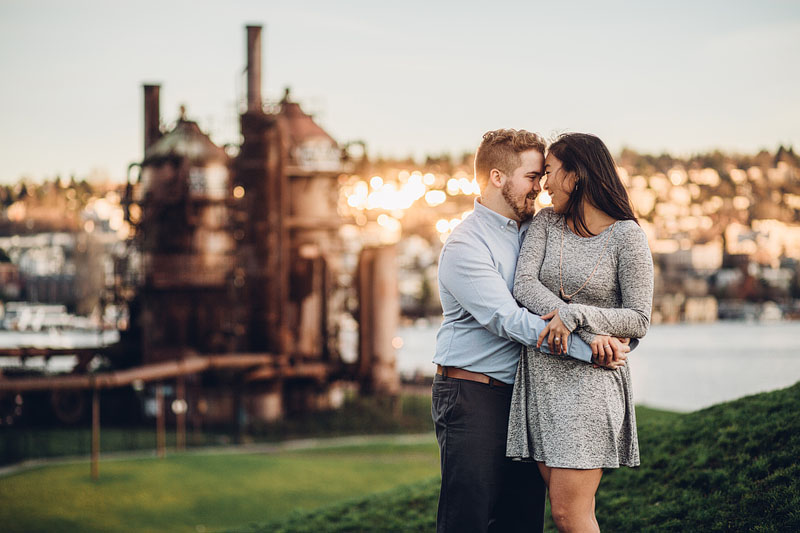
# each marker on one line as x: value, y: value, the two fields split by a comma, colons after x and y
x: 478, y: 346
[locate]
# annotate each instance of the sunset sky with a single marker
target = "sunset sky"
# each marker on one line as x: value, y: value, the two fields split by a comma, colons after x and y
x: 409, y: 78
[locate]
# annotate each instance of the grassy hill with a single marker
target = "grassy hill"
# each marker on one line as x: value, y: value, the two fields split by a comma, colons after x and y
x: 731, y: 467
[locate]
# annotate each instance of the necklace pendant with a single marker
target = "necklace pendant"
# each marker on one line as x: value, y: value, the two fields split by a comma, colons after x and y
x: 565, y: 297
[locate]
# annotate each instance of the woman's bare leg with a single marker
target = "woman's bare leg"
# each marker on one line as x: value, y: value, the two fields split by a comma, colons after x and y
x: 545, y: 471
x: 572, y: 499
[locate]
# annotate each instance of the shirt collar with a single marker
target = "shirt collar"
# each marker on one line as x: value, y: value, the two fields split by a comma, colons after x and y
x: 496, y: 219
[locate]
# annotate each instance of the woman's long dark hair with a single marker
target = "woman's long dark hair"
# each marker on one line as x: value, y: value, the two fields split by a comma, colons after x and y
x: 596, y: 179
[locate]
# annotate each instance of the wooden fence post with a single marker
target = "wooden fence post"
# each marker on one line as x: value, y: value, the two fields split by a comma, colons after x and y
x: 161, y: 440
x: 180, y: 413
x: 95, y: 430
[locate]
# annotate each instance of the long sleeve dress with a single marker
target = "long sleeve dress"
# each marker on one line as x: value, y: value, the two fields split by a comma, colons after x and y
x: 564, y: 412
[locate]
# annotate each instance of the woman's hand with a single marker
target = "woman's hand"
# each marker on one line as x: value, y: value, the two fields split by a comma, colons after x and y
x: 556, y: 333
x: 603, y: 352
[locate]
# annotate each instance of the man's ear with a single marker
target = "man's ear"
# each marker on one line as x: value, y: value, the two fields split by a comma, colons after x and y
x: 496, y: 178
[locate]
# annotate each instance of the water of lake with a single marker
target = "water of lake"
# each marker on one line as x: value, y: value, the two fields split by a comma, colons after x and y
x: 681, y: 367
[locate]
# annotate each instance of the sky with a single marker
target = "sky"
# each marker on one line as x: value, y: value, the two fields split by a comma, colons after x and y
x: 409, y: 78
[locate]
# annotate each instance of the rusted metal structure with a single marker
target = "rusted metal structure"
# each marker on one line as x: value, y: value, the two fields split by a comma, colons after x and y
x: 187, y: 249
x: 240, y: 255
x: 379, y: 311
x: 235, y: 296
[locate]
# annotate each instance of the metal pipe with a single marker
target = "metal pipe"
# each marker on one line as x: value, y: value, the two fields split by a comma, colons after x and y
x: 152, y: 115
x: 318, y: 371
x: 30, y: 351
x: 152, y: 372
x: 254, y: 68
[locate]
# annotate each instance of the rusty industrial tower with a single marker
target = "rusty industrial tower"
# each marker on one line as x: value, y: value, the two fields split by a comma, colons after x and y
x: 232, y: 275
x: 240, y: 255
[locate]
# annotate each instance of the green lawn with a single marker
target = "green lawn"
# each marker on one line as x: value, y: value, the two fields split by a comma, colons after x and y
x: 733, y: 467
x: 204, y: 492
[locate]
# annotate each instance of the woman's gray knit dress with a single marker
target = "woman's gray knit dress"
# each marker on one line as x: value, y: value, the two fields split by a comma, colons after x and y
x: 564, y: 412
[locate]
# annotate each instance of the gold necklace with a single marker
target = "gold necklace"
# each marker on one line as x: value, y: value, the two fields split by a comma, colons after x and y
x: 568, y: 297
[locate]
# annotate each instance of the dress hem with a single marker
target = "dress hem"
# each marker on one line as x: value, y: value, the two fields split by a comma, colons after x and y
x: 529, y: 459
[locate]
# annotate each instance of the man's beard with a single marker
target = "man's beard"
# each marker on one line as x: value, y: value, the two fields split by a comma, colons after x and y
x: 518, y: 203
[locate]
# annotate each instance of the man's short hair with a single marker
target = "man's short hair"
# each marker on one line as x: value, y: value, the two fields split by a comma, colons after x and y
x: 500, y: 149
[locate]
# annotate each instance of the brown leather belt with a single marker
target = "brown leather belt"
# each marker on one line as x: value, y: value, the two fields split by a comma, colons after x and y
x: 460, y: 373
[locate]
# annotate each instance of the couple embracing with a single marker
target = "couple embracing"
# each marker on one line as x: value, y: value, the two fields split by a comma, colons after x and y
x: 532, y: 392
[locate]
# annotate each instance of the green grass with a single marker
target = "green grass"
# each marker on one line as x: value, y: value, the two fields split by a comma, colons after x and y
x: 19, y: 444
x: 731, y: 467
x: 183, y: 492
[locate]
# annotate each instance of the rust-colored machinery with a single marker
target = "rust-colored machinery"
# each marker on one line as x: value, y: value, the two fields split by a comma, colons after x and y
x: 181, y: 214
x: 239, y: 256
x: 232, y: 277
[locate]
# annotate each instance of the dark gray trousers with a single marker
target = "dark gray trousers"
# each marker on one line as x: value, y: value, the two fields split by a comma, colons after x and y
x: 482, y: 490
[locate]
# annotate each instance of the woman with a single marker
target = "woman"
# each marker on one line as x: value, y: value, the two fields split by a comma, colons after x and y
x: 573, y: 418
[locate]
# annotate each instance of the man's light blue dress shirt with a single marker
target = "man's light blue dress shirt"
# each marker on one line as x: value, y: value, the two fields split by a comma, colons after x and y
x: 483, y: 324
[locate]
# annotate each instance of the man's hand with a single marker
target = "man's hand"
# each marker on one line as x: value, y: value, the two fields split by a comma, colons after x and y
x: 609, y: 352
x: 556, y: 332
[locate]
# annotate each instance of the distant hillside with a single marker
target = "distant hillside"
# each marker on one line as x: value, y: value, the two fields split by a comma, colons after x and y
x: 731, y: 467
